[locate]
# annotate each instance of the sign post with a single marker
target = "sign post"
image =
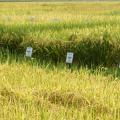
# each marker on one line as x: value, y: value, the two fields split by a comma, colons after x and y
x: 119, y: 65
x: 29, y: 52
x: 69, y: 58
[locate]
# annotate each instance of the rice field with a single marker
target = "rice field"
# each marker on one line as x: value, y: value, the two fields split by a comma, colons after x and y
x: 43, y: 88
x: 57, y: 21
x: 52, y: 29
x: 45, y: 93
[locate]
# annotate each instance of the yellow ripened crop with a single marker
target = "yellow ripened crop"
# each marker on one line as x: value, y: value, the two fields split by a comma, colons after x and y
x: 36, y: 92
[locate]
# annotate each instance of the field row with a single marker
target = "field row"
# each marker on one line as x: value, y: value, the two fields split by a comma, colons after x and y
x: 90, y: 30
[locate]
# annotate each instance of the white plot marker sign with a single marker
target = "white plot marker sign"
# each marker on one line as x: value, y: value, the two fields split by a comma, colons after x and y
x: 29, y: 51
x: 69, y: 58
x: 119, y: 65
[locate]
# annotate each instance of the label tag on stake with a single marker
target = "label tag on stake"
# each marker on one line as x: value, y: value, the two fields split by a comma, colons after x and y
x: 29, y: 52
x: 69, y: 58
x: 119, y: 65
